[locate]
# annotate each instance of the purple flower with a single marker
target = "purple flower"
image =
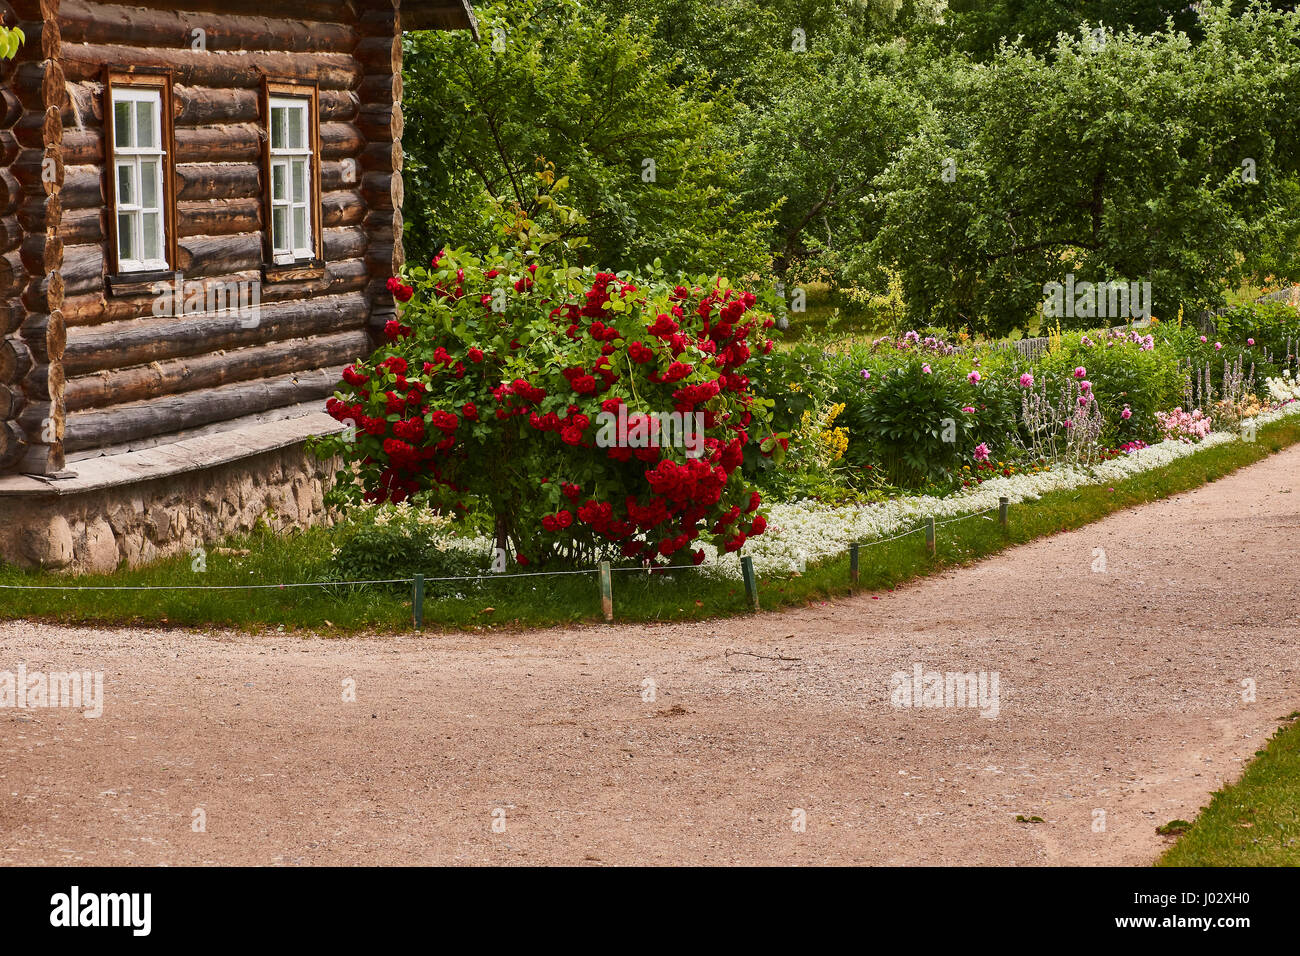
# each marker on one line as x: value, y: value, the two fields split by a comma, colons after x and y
x: 866, y: 376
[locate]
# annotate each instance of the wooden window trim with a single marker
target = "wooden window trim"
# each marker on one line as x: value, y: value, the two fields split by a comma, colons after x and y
x: 143, y: 77
x: 313, y: 268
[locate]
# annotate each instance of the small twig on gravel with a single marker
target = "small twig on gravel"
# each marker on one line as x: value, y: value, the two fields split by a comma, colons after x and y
x: 766, y: 657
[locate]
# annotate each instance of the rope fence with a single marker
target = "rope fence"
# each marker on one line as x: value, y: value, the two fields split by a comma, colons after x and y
x: 604, y: 571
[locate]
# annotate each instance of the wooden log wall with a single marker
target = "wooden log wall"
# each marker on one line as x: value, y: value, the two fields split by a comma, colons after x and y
x: 31, y: 284
x: 87, y: 367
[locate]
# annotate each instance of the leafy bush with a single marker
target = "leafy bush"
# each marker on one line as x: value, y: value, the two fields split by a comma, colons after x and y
x: 520, y: 385
x: 1126, y: 371
x: 911, y: 418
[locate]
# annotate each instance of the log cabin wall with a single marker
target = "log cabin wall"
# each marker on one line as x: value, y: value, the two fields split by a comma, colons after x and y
x: 86, y: 366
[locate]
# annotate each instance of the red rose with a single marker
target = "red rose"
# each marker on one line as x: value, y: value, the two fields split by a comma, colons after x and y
x: 470, y: 411
x: 475, y: 355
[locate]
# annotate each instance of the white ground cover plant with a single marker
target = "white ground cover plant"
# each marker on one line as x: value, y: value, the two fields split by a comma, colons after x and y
x: 801, y: 533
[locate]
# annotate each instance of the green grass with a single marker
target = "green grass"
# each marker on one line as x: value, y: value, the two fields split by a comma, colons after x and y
x: 305, y: 556
x: 1254, y: 822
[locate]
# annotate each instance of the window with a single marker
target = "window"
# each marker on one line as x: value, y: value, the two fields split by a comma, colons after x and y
x: 139, y: 179
x: 292, y: 179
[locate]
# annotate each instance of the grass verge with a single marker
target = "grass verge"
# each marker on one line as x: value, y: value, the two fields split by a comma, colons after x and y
x: 529, y: 602
x: 1254, y: 822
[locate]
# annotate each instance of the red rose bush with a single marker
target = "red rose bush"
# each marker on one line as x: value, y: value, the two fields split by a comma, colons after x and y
x: 579, y: 414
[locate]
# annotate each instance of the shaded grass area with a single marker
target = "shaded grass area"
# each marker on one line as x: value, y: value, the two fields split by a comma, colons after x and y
x: 1254, y: 822
x: 532, y: 601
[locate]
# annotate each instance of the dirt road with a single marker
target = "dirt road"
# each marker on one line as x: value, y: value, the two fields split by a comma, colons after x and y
x: 1119, y: 707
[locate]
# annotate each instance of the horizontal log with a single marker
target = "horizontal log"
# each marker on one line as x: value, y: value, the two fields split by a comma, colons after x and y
x: 214, y: 218
x: 243, y: 70
x: 42, y: 419
x: 42, y: 40
x: 86, y: 22
x: 380, y: 54
x: 222, y: 106
x: 116, y: 386
x: 40, y: 213
x: 326, y: 11
x: 39, y: 84
x: 230, y: 143
x: 11, y: 402
x: 380, y: 123
x: 15, y: 360
x: 12, y: 273
x: 119, y: 424
x: 97, y: 309
x: 383, y: 157
x: 11, y: 107
x: 83, y: 269
x: 44, y: 293
x: 202, y: 256
x: 381, y: 88
x: 147, y: 340
x: 12, y: 316
x: 44, y: 383
x: 383, y: 190
x: 347, y: 242
x: 340, y: 140
x: 46, y: 337
x: 13, y: 444
x: 39, y: 170
x: 42, y: 253
x: 83, y: 225
x: 11, y: 234
x: 10, y: 147
x: 343, y: 207
x: 83, y: 187
x: 41, y: 460
x: 220, y: 181
x: 11, y: 192
x: 83, y: 146
x: 38, y: 130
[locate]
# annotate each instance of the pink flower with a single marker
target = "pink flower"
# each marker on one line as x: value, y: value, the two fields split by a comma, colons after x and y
x: 968, y: 410
x: 1217, y: 346
x: 866, y: 376
x: 1204, y: 339
x: 1026, y: 380
x: 981, y: 452
x: 1083, y: 399
x: 1085, y: 386
x: 1069, y: 424
x: 1250, y: 341
x: 1080, y: 372
x: 973, y: 378
x: 1126, y: 414
x: 925, y: 369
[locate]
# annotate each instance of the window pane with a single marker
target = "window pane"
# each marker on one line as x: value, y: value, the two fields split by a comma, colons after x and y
x: 300, y: 226
x: 126, y: 184
x: 279, y: 239
x: 146, y: 132
x: 152, y: 237
x: 122, y: 127
x: 149, y: 184
x: 277, y: 181
x: 300, y: 181
x: 297, y: 120
x: 125, y: 237
x: 277, y: 126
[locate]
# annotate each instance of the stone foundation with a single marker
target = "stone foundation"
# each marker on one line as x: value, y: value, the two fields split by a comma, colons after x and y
x: 136, y: 508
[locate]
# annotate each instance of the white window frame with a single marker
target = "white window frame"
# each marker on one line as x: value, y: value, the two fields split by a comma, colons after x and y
x: 132, y: 158
x: 298, y: 244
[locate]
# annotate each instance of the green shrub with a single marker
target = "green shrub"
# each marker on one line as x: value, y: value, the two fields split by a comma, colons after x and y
x: 382, y: 543
x: 1123, y: 373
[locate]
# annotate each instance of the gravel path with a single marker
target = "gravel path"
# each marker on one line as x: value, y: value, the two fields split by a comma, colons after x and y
x: 1120, y: 702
